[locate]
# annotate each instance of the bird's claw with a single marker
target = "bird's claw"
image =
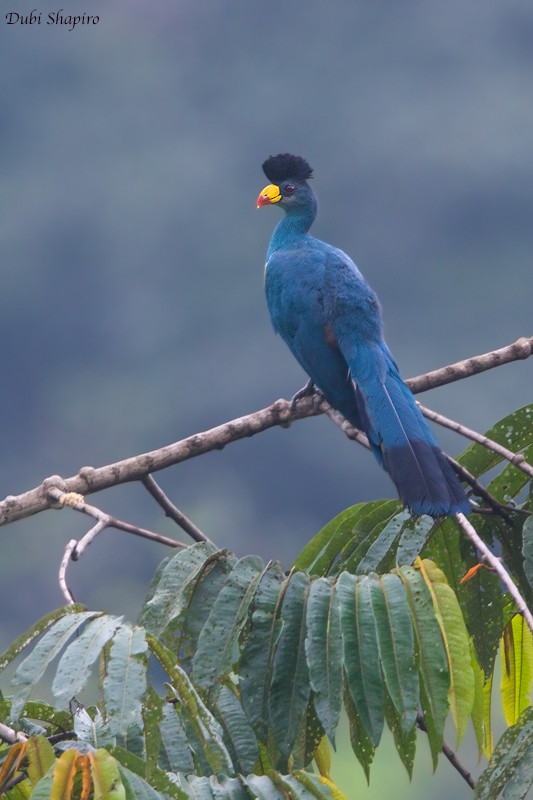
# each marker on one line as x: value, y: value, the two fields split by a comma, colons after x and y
x: 306, y: 391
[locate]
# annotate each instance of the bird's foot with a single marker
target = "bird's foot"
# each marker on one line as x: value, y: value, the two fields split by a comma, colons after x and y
x: 306, y: 391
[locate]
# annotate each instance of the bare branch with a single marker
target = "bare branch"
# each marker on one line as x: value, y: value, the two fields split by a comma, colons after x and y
x: 10, y: 736
x: 65, y: 561
x: 496, y: 564
x: 91, y: 479
x: 282, y: 412
x: 75, y: 549
x: 450, y: 754
x: 522, y: 348
x: 173, y: 511
x: 516, y: 459
x: 495, y: 506
x: 77, y: 502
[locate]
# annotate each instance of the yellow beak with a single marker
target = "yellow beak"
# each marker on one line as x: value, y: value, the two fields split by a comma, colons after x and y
x: 270, y: 194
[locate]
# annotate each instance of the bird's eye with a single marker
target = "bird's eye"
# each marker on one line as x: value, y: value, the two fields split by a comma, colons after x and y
x: 289, y: 189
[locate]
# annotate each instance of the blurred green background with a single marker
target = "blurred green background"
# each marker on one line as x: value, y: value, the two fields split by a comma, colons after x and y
x: 132, y: 311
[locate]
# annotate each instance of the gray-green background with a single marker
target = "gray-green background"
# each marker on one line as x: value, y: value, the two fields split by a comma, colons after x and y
x: 131, y: 305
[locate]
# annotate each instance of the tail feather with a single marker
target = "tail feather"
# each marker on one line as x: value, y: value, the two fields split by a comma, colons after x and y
x: 405, y: 446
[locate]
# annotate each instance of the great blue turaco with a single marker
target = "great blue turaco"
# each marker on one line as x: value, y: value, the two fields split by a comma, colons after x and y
x: 330, y: 318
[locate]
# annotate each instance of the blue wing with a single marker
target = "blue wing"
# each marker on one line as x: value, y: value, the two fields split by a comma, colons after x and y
x: 397, y: 431
x: 330, y: 319
x: 295, y: 300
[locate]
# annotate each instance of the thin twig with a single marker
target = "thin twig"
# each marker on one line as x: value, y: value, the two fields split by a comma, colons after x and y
x: 77, y: 502
x: 75, y: 549
x: 516, y: 459
x: 496, y: 564
x: 495, y: 506
x: 346, y: 427
x: 172, y: 511
x: 14, y: 782
x: 65, y: 561
x: 282, y: 412
x: 450, y: 755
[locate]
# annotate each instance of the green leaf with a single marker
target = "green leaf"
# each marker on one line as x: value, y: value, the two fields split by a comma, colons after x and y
x: 137, y: 788
x: 217, y: 643
x: 527, y: 549
x: 21, y: 791
x: 396, y: 646
x: 47, y: 715
x: 305, y: 786
x: 262, y: 788
x: 488, y: 744
x: 509, y: 774
x: 323, y: 647
x: 41, y: 757
x: 348, y: 535
x: 152, y: 717
x: 319, y: 786
x: 125, y: 681
x: 517, y: 669
x: 381, y: 547
x: 361, y: 743
x: 416, y: 532
x: 167, y: 600
x: 90, y: 729
x: 40, y: 627
x: 510, y: 481
x: 106, y: 776
x: 478, y: 707
x: 456, y: 643
x: 174, y: 741
x: 130, y: 764
x: 43, y: 790
x: 74, y: 666
x: 310, y: 735
x: 480, y: 598
x: 30, y: 671
x: 202, y: 729
x: 405, y: 741
x: 259, y: 647
x: 197, y: 598
x: 290, y: 688
x: 514, y: 432
x: 239, y: 732
x: 361, y: 652
x: 433, y: 665
x: 63, y: 771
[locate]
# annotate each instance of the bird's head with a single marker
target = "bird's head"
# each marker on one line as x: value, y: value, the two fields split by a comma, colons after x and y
x: 288, y: 176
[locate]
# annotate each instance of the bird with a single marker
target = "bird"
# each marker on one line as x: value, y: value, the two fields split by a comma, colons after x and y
x: 331, y: 320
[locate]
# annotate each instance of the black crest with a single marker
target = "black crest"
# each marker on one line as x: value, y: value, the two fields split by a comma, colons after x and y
x: 286, y: 166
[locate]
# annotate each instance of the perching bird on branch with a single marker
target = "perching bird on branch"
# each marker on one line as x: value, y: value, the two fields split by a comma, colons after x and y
x: 331, y: 320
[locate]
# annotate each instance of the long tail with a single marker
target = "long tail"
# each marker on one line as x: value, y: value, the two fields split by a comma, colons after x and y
x: 402, y: 441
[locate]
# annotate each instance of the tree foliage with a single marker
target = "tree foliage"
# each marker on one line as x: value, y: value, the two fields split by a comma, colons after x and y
x: 255, y: 664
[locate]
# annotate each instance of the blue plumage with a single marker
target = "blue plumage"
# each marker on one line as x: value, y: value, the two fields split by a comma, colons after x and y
x: 331, y: 320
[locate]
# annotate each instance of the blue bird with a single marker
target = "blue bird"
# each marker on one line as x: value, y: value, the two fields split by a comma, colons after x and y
x: 330, y: 318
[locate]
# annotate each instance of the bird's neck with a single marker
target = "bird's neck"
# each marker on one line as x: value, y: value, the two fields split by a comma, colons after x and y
x: 293, y: 227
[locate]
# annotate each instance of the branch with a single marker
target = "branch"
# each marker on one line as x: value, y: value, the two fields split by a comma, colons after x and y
x: 65, y: 561
x: 173, y: 511
x: 516, y: 459
x: 75, y: 549
x: 496, y: 564
x: 450, y: 755
x: 522, y: 348
x: 282, y: 412
x: 495, y: 506
x: 10, y: 736
x: 91, y: 479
